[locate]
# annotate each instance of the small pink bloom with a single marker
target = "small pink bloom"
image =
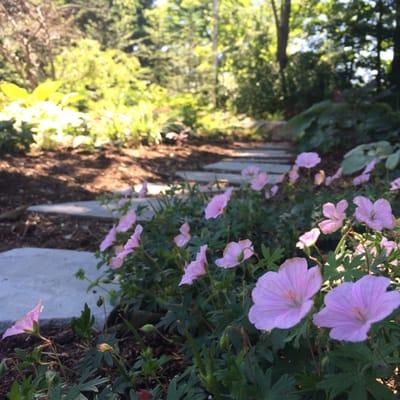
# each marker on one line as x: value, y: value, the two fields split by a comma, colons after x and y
x: 308, y: 160
x: 127, y: 221
x: 282, y: 299
x: 388, y: 245
x: 336, y: 216
x: 376, y: 215
x: 235, y: 253
x: 134, y: 241
x: 351, y: 308
x: 118, y: 260
x: 370, y: 167
x: 294, y: 174
x: 259, y: 181
x: 26, y: 324
x: 280, y: 178
x: 250, y: 172
x: 308, y: 239
x: 217, y: 204
x: 319, y: 177
x: 271, y: 192
x: 183, y: 238
x: 360, y: 179
x: 109, y: 239
x: 395, y: 185
x: 330, y: 179
x: 143, y: 190
x: 196, y: 268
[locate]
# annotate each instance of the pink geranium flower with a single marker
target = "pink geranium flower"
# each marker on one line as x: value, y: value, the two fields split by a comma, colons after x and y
x: 336, y: 175
x: 388, y: 245
x: 294, y: 174
x: 360, y: 179
x: 235, y: 253
x: 196, y: 268
x: 250, y: 171
x: 335, y: 216
x: 259, y: 181
x: 134, y: 241
x: 282, y: 299
x: 143, y: 190
x: 395, y: 185
x: 109, y: 239
x: 127, y: 221
x: 118, y: 260
x: 271, y: 192
x: 217, y: 204
x: 370, y: 167
x: 308, y: 239
x: 308, y: 160
x: 183, y: 238
x: 319, y: 177
x: 351, y: 308
x: 26, y: 324
x: 376, y: 215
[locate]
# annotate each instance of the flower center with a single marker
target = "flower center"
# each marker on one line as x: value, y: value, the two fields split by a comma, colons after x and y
x: 360, y: 314
x: 293, y: 298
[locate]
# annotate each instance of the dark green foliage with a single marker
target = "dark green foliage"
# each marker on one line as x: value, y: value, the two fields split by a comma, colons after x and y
x: 14, y: 139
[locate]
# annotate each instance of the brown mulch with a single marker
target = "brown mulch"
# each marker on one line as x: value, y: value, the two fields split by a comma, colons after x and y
x: 72, y: 175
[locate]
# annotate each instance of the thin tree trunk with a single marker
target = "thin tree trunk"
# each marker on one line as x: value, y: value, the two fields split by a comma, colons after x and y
x: 395, y: 69
x: 379, y: 39
x: 215, y: 52
x: 282, y: 20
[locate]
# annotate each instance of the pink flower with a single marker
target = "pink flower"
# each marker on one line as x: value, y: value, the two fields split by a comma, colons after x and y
x: 351, y: 308
x: 280, y: 178
x: 250, y: 171
x: 143, y: 190
x: 183, y: 238
x: 370, y: 167
x: 330, y: 179
x: 360, y: 179
x: 282, y: 299
x: 259, y: 181
x: 308, y: 160
x: 235, y: 253
x: 134, y: 241
x: 127, y: 221
x: 388, y: 245
x: 376, y: 215
x: 294, y: 174
x: 118, y: 260
x: 271, y: 192
x: 308, y: 239
x: 196, y: 268
x: 336, y: 216
x: 26, y: 324
x: 109, y: 239
x: 395, y: 185
x: 217, y: 204
x: 319, y: 177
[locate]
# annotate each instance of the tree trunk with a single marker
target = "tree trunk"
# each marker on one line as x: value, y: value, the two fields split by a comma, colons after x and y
x: 379, y: 38
x: 395, y: 69
x: 282, y: 20
x: 215, y: 52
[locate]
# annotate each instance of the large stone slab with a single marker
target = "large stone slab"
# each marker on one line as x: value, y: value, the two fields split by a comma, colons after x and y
x: 237, y: 166
x: 262, y: 153
x: 94, y: 209
x: 28, y: 275
x: 210, y: 177
x: 276, y: 145
x: 252, y: 160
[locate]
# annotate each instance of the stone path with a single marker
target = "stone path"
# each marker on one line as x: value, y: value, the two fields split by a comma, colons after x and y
x: 28, y: 275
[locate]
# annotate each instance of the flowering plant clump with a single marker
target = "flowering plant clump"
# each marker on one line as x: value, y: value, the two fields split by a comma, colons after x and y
x: 290, y: 291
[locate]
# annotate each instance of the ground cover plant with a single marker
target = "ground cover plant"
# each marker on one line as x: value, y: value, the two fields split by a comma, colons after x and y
x: 288, y: 290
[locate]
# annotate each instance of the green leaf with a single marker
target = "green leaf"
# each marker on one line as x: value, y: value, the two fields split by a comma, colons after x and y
x: 14, y: 92
x: 45, y: 90
x: 393, y: 160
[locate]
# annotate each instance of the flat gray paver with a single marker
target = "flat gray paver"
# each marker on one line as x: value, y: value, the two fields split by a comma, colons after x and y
x: 262, y: 153
x: 28, y: 275
x: 208, y: 176
x: 95, y: 209
x: 254, y: 160
x: 237, y: 166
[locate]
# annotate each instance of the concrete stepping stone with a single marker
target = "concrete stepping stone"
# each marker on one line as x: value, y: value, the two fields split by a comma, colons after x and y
x: 237, y: 166
x: 262, y: 153
x: 209, y: 177
x: 271, y: 146
x: 94, y: 209
x: 251, y: 160
x: 28, y: 275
